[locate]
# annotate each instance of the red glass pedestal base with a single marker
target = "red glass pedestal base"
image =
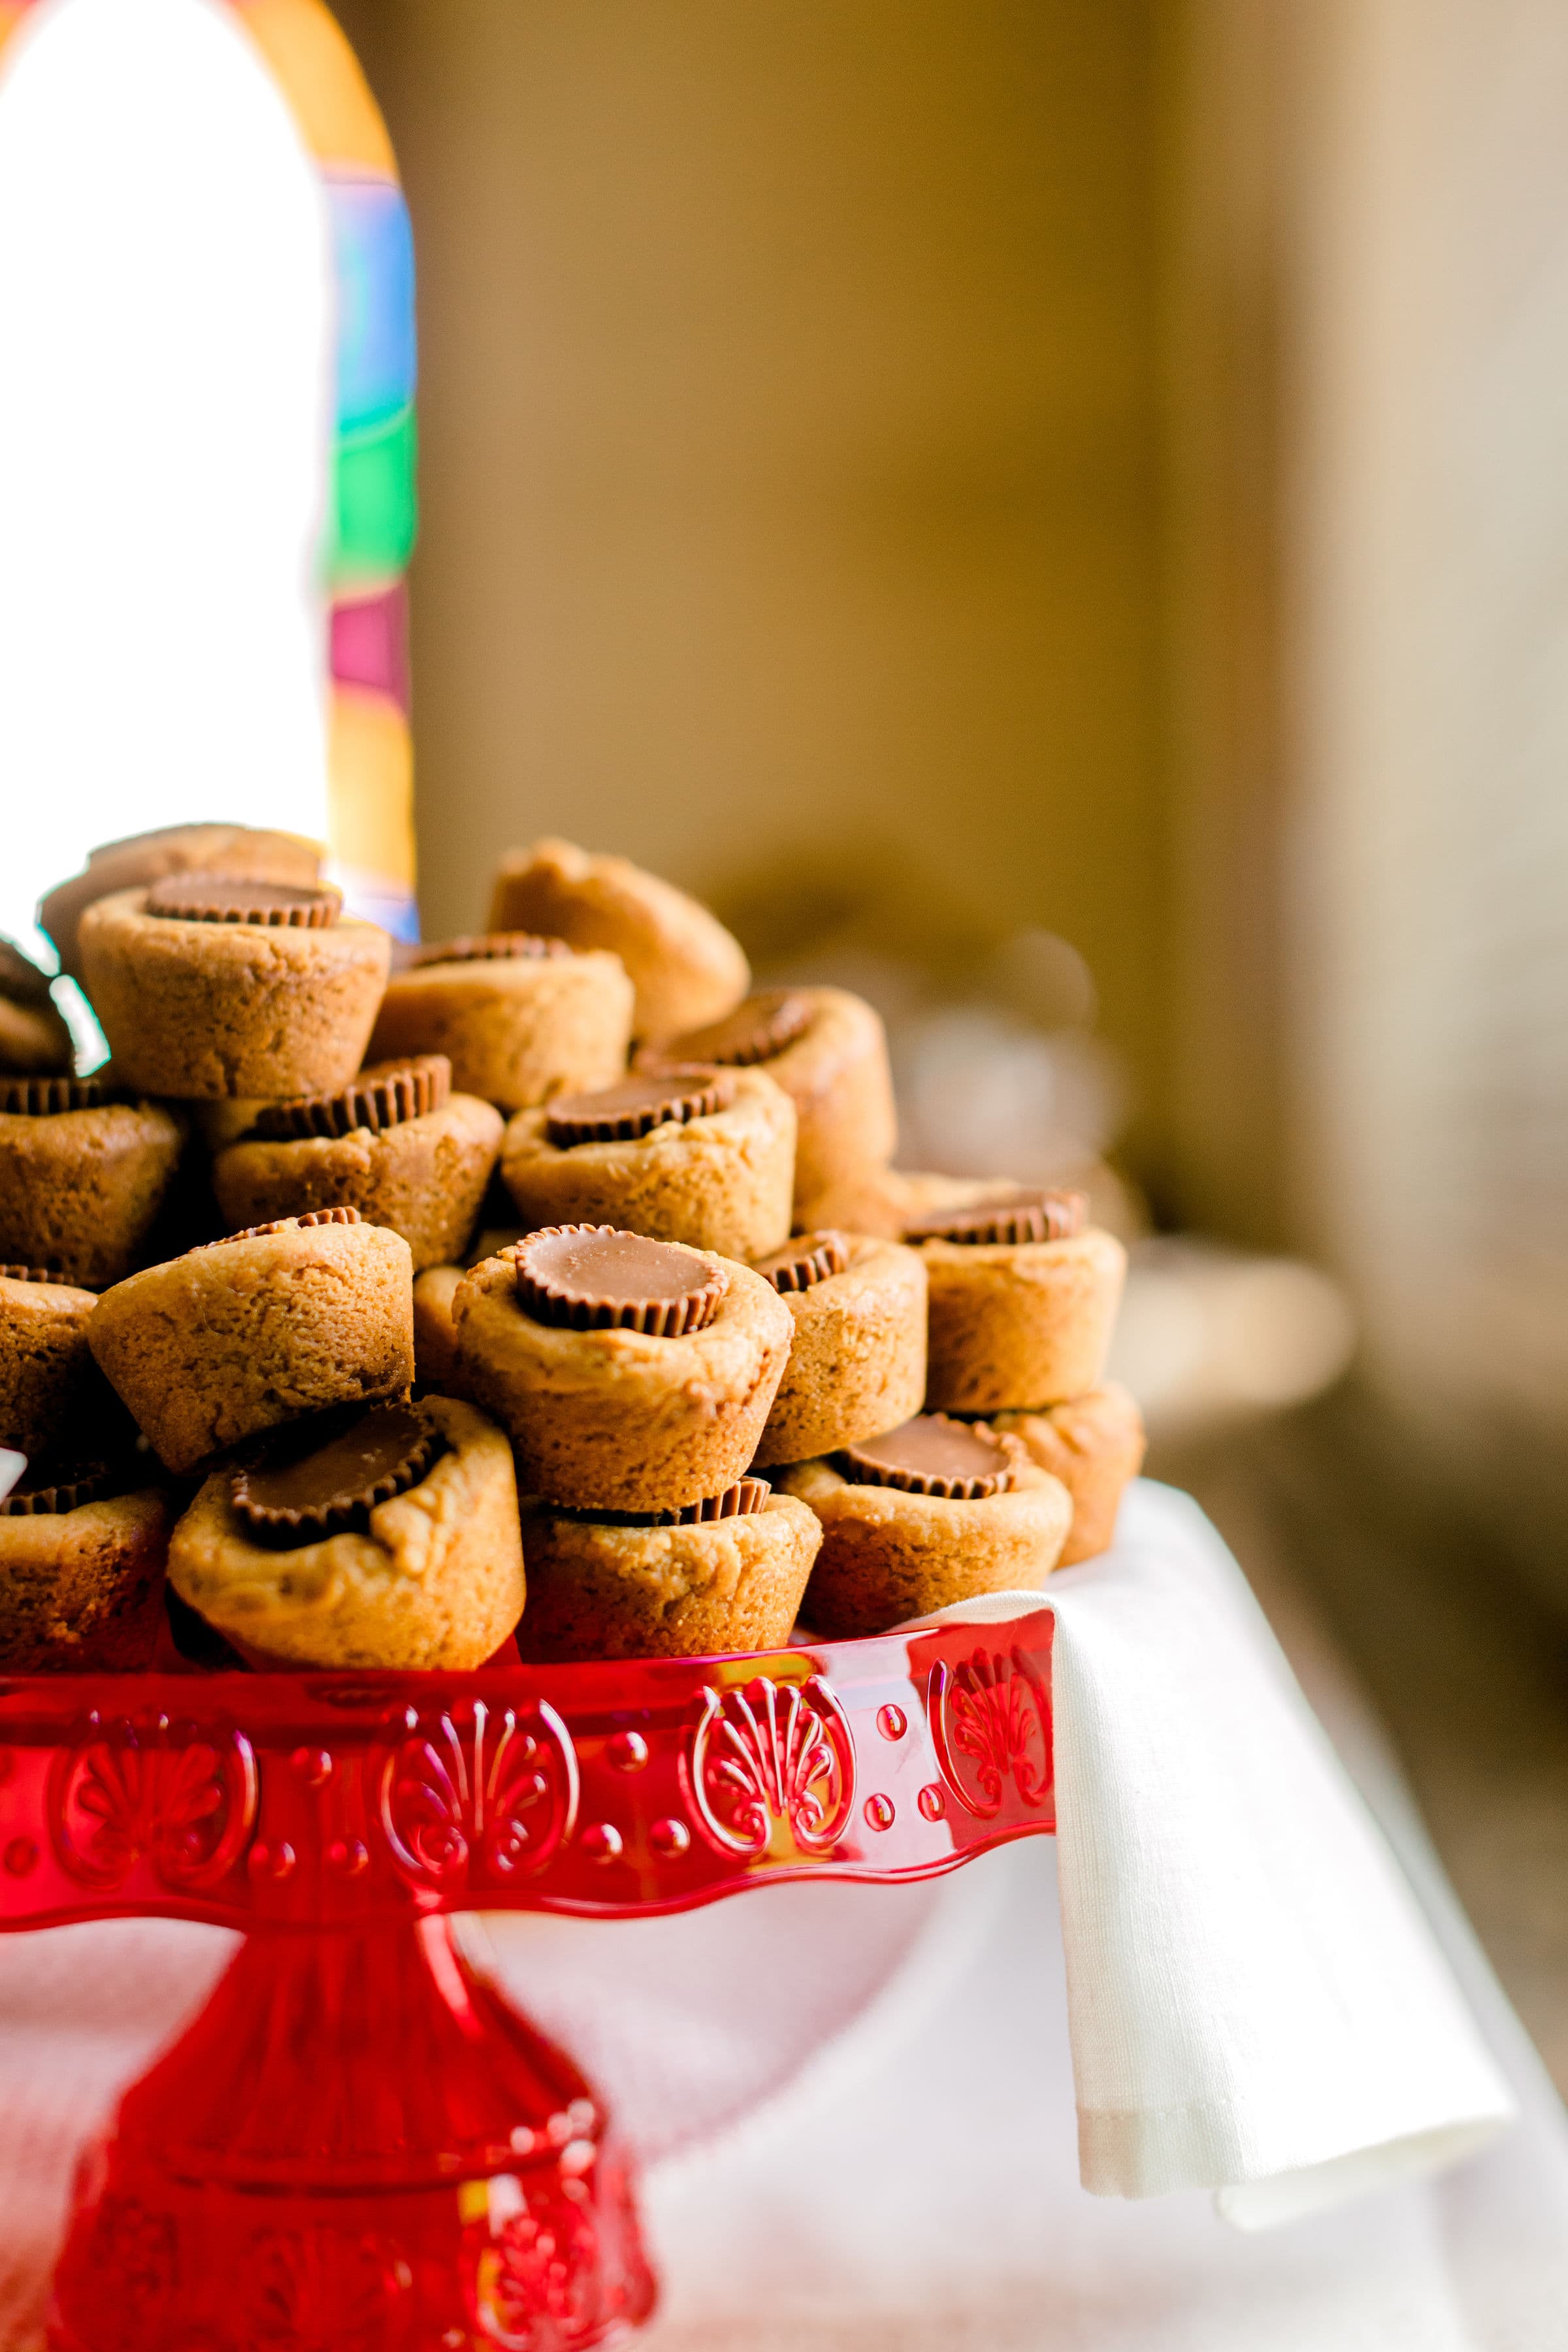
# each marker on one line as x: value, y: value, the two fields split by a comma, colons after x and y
x: 357, y: 2147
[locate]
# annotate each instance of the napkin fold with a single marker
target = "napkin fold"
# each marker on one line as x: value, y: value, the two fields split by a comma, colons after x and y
x: 1257, y: 2003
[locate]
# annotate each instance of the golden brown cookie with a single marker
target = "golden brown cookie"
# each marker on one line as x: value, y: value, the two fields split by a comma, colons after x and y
x: 435, y: 1330
x: 520, y: 1018
x: 207, y: 987
x: 259, y: 1330
x: 935, y: 1512
x: 386, y: 1538
x: 1023, y: 1302
x: 703, y: 1587
x: 1094, y: 1445
x: 859, y: 1362
x: 81, y: 1575
x: 33, y: 1037
x: 396, y: 1144
x: 883, y: 1200
x: 700, y: 1156
x: 631, y: 1375
x: 49, y: 1385
x: 683, y: 964
x: 81, y: 1177
x: 250, y: 854
x: 828, y: 1051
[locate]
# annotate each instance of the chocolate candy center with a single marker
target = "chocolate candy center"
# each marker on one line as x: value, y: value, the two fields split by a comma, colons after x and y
x: 222, y: 898
x: 1023, y: 1215
x: 801, y: 1264
x: 343, y: 1217
x: 491, y: 947
x: 596, y: 1278
x: 759, y: 1027
x: 385, y: 1095
x: 48, y: 1098
x: 53, y: 1493
x: 305, y: 1488
x: 636, y: 1106
x: 933, y: 1455
x: 747, y: 1496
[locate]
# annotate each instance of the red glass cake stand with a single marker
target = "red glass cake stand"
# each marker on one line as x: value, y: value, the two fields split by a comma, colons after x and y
x: 359, y: 2145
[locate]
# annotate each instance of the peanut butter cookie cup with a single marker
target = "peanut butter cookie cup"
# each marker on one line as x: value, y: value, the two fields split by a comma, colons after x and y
x: 208, y: 986
x: 633, y: 1375
x: 386, y: 1536
x: 34, y: 1038
x: 859, y: 1362
x: 726, y: 1574
x: 49, y: 1384
x: 521, y: 1018
x: 691, y: 1154
x: 83, y: 1551
x: 828, y: 1051
x: 1023, y: 1301
x: 246, y: 1334
x: 935, y: 1512
x: 82, y: 1176
x: 396, y: 1144
x: 1094, y: 1445
x: 683, y: 964
x: 246, y: 851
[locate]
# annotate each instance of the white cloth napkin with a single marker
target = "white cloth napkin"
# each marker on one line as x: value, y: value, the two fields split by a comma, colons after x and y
x: 1256, y: 2001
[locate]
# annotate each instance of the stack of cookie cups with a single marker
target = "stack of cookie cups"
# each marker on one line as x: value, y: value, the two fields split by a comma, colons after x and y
x: 1017, y: 1462
x: 333, y: 1521
x: 635, y: 1377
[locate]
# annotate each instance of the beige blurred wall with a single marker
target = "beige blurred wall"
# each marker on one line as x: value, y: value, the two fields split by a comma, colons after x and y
x: 788, y: 417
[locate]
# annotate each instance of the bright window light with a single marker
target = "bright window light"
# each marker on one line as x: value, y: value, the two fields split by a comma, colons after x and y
x: 165, y: 322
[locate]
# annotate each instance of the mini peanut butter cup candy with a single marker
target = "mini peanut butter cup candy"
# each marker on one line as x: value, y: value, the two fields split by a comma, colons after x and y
x: 339, y: 1216
x: 225, y: 898
x: 1024, y: 1216
x: 314, y: 1482
x: 489, y: 947
x: 804, y: 1262
x: 762, y: 1025
x: 379, y: 1538
x: 49, y: 1097
x: 636, y: 1106
x: 30, y: 1273
x: 631, y: 1374
x: 385, y: 1095
x: 934, y: 1513
x: 50, y: 1493
x: 737, y: 1502
x: 597, y: 1278
x: 933, y: 1455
